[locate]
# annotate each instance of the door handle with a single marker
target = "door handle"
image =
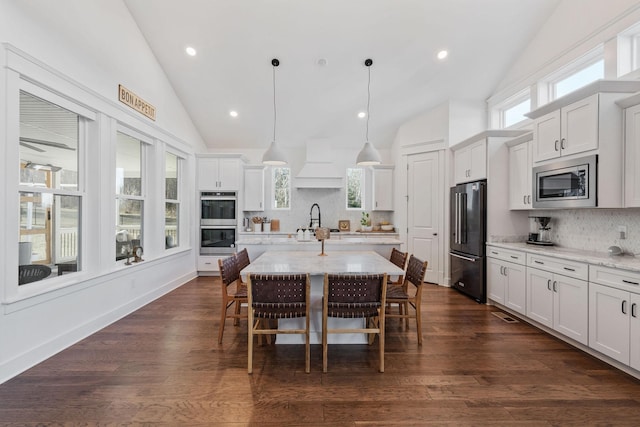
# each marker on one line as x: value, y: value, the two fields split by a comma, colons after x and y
x: 633, y: 309
x: 555, y: 145
x: 555, y: 286
x: 624, y: 306
x: 524, y: 200
x: 529, y: 199
x: 549, y: 284
x: 462, y: 257
x: 562, y: 141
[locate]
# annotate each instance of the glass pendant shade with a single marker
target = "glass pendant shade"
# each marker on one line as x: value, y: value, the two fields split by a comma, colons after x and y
x: 368, y: 155
x: 274, y: 155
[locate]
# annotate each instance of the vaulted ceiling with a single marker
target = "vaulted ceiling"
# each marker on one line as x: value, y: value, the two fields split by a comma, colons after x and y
x: 321, y: 83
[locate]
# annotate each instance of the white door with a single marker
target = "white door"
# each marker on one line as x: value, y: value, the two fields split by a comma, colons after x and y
x: 571, y: 308
x: 540, y: 296
x: 609, y: 321
x: 424, y: 204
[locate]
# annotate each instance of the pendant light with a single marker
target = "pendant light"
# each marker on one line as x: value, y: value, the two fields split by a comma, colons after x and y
x: 368, y: 155
x: 273, y: 155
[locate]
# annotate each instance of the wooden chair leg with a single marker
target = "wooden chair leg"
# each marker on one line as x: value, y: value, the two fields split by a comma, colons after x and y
x: 222, y: 321
x: 324, y: 343
x: 307, y: 347
x: 419, y: 323
x: 381, y: 342
x: 236, y: 320
x: 250, y: 345
x: 406, y: 313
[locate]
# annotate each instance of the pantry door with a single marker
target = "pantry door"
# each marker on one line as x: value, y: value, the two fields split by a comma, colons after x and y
x: 425, y: 203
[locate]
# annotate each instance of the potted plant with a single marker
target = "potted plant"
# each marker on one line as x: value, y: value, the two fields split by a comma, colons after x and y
x: 365, y: 222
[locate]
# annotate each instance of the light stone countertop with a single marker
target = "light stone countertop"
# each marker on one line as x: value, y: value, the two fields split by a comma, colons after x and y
x: 624, y: 262
x: 249, y: 240
x: 274, y: 262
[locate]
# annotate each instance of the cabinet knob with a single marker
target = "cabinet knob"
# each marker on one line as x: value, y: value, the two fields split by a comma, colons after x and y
x: 435, y: 234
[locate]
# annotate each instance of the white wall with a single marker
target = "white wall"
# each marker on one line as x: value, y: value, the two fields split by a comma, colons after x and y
x: 84, y: 50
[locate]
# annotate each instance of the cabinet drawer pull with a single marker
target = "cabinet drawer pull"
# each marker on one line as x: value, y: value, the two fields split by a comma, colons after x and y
x: 624, y: 306
x: 549, y: 284
x: 569, y: 269
x: 630, y: 282
x: 514, y: 257
x: 494, y: 252
x: 538, y: 262
x: 633, y: 309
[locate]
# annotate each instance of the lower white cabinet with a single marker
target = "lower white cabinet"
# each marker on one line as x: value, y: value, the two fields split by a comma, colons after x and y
x: 208, y: 263
x: 614, y: 314
x: 559, y: 302
x: 506, y: 281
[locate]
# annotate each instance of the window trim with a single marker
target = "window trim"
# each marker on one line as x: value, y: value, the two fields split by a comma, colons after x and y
x: 179, y: 175
x: 588, y: 59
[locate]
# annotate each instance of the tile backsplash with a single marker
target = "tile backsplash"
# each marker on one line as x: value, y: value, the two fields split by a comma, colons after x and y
x: 594, y: 229
x: 332, y: 204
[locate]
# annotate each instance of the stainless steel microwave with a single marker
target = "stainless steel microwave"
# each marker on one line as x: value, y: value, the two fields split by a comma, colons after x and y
x: 566, y: 184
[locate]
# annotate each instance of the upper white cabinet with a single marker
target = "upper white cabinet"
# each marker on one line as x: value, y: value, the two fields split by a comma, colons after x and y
x: 470, y: 162
x: 219, y: 172
x: 571, y: 129
x: 253, y: 194
x: 632, y: 157
x: 382, y: 188
x: 520, y: 173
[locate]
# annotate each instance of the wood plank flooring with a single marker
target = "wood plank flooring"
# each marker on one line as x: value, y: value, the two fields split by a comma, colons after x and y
x: 162, y: 365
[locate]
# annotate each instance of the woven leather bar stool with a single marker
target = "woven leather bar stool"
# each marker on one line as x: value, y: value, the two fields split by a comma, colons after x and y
x: 354, y: 296
x: 229, y: 275
x: 277, y: 296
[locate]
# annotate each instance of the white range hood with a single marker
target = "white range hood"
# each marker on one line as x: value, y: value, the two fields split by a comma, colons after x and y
x: 319, y: 170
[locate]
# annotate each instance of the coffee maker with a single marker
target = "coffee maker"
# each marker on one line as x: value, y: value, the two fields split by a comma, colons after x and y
x: 539, y: 231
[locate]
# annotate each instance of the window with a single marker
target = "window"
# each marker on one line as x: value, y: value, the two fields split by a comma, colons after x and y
x: 50, y: 197
x: 515, y: 113
x: 129, y: 194
x: 172, y: 203
x: 355, y: 188
x: 579, y: 79
x: 281, y: 188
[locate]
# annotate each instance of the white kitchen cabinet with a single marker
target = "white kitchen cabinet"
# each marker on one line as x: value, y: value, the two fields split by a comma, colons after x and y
x: 571, y: 129
x: 559, y: 302
x: 219, y: 173
x: 470, y: 162
x: 382, y: 188
x: 208, y: 263
x: 253, y: 194
x: 506, y: 278
x: 609, y: 325
x: 520, y: 174
x: 614, y: 314
x: 632, y: 157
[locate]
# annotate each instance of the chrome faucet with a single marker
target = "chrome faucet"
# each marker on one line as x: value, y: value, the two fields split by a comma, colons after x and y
x: 317, y: 220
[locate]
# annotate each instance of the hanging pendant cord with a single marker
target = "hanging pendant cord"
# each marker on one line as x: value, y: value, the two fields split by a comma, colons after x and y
x: 274, y: 103
x: 368, y: 100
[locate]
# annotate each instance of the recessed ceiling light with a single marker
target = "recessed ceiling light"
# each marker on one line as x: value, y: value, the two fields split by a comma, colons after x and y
x: 362, y: 114
x: 190, y: 51
x: 443, y: 54
x: 233, y: 113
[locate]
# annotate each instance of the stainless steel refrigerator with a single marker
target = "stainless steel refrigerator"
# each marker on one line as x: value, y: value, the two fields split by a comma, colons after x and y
x: 468, y: 236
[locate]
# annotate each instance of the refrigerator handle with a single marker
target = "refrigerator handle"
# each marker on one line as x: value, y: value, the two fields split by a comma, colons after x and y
x: 462, y: 257
x: 458, y: 219
x: 463, y: 218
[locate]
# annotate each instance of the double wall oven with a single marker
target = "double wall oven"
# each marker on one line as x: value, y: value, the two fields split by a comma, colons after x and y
x: 218, y: 222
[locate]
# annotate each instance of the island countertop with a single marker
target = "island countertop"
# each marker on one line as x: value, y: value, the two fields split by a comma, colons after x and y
x: 247, y: 240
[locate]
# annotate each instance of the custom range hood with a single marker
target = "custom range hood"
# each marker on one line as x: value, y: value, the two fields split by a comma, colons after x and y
x: 319, y: 170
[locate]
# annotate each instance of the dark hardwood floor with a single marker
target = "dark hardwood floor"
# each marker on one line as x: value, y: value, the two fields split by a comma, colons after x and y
x: 162, y: 365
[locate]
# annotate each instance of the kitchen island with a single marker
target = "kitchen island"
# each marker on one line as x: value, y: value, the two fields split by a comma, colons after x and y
x: 256, y: 245
x: 296, y: 261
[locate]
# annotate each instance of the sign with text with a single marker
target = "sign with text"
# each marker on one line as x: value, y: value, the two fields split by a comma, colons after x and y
x: 134, y: 101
